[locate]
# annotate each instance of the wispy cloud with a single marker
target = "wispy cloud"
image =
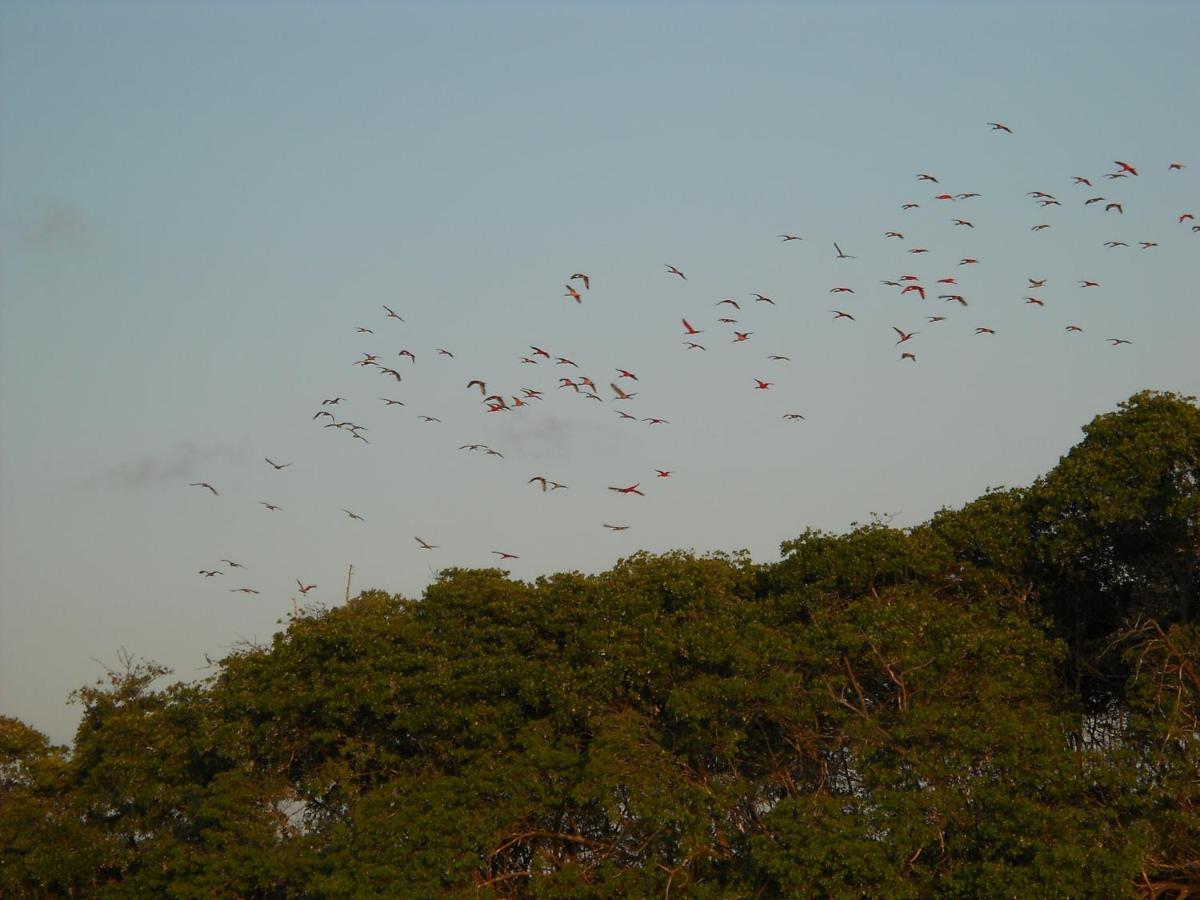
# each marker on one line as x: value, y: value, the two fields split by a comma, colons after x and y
x: 56, y: 224
x: 185, y: 460
x: 548, y: 437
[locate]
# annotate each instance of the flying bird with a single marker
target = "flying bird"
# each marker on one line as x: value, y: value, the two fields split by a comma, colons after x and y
x: 270, y: 506
x: 621, y: 395
x: 688, y: 329
x: 573, y: 294
x: 209, y: 573
x: 616, y: 527
x: 304, y: 588
x: 793, y: 417
x: 425, y: 545
x: 1000, y: 126
x: 840, y: 254
x: 1125, y: 167
x: 760, y: 385
x: 580, y: 276
x: 904, y: 335
x: 503, y: 555
x: 275, y: 465
x: 632, y: 489
x: 1117, y: 341
x: 243, y: 590
x: 391, y: 314
x: 353, y: 515
x: 671, y: 270
x: 789, y: 237
x: 203, y: 484
x: 838, y: 314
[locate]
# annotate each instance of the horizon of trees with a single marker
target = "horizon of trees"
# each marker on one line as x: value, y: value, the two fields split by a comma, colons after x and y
x: 1000, y: 701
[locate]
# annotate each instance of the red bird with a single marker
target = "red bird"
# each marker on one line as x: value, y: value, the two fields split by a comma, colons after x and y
x: 1088, y: 284
x: 626, y: 374
x: 304, y: 588
x: 503, y: 555
x: 904, y: 335
x: 841, y: 290
x: 1000, y: 126
x: 688, y: 329
x: 762, y: 385
x: 1125, y: 167
x: 632, y: 489
x: 915, y: 287
x: 742, y: 336
x: 944, y: 197
x: 671, y: 270
x: 838, y: 314
x: 982, y: 330
x: 731, y: 302
x: 573, y: 294
x: 1034, y: 301
x: 538, y: 351
x: 663, y: 473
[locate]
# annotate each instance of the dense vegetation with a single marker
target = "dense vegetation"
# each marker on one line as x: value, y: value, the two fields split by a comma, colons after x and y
x: 1000, y: 702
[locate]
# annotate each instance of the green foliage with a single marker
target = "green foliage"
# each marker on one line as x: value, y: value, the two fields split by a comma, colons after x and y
x: 889, y: 712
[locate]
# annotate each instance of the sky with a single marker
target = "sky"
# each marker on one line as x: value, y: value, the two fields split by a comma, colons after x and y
x: 201, y: 202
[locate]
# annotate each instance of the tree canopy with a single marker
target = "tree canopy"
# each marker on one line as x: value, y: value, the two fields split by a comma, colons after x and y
x: 1001, y: 701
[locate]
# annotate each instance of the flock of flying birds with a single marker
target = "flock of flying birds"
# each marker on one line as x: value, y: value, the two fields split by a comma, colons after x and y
x: 621, y: 386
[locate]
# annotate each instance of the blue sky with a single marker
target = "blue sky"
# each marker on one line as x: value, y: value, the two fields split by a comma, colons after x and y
x: 200, y: 202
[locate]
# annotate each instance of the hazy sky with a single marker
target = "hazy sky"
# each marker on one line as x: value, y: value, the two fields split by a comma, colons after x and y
x: 200, y: 202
